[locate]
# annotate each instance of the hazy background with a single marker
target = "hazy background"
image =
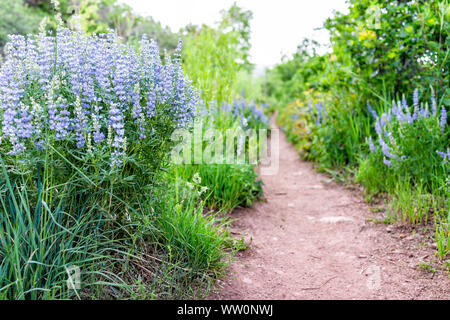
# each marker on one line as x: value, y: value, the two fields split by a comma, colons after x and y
x: 277, y: 26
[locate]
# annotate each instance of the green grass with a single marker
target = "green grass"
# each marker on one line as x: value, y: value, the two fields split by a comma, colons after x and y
x: 229, y: 185
x: 41, y: 239
x: 162, y: 245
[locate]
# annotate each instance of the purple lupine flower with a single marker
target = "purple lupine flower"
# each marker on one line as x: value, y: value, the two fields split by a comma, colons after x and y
x: 324, y: 110
x: 378, y: 128
x: 416, y: 105
x: 372, y: 112
x: 24, y: 123
x: 409, y: 118
x: 8, y: 123
x: 371, y: 145
x: 444, y: 156
x: 138, y: 114
x: 116, y: 123
x: 383, y: 119
x: 98, y: 135
x: 441, y: 154
x: 165, y: 92
x: 51, y: 105
x: 241, y: 108
x: 405, y: 104
x: 38, y: 117
x: 226, y: 107
x: 180, y: 103
x: 424, y: 112
x: 63, y: 122
x: 394, y: 110
x: 443, y: 121
x: 385, y: 149
x: 137, y: 109
x: 407, y: 113
x: 320, y: 112
x: 259, y: 114
x: 390, y: 136
x: 433, y: 104
x: 387, y: 162
x: 30, y: 59
x: 388, y: 116
x: 151, y: 102
x: 236, y: 109
x: 120, y: 76
x: 116, y: 119
x: 100, y: 73
x: 399, y: 112
x: 243, y: 120
x: 194, y: 100
x: 45, y: 57
x: 80, y: 124
x: 102, y: 60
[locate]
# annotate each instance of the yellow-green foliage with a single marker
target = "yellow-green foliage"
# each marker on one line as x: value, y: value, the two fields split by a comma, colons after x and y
x: 297, y: 123
x: 210, y: 59
x: 249, y: 86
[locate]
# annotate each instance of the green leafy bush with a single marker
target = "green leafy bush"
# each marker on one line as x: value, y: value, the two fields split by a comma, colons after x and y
x: 379, y: 49
x: 213, y: 57
x: 410, y: 157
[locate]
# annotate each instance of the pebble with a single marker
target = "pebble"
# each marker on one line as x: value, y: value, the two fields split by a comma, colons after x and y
x: 247, y: 280
x: 335, y: 219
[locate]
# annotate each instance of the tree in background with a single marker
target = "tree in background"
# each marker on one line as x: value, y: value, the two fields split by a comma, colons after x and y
x: 238, y: 20
x: 398, y: 45
x: 378, y: 48
x: 94, y: 16
x: 287, y: 80
x: 10, y: 10
x: 214, y: 56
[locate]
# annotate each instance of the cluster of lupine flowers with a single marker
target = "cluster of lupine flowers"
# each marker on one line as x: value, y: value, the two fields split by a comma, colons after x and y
x: 246, y: 112
x: 318, y: 113
x: 402, y: 113
x: 89, y: 90
x: 444, y: 156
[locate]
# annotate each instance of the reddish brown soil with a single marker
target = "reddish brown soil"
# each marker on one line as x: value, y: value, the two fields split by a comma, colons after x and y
x: 312, y: 238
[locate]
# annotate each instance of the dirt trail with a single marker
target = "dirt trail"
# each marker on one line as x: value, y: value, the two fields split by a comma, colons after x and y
x: 312, y: 239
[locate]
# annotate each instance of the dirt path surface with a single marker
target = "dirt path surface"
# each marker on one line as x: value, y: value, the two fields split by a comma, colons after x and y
x: 313, y: 239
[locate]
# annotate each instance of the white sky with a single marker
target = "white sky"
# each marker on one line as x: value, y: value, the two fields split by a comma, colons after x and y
x: 278, y: 26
